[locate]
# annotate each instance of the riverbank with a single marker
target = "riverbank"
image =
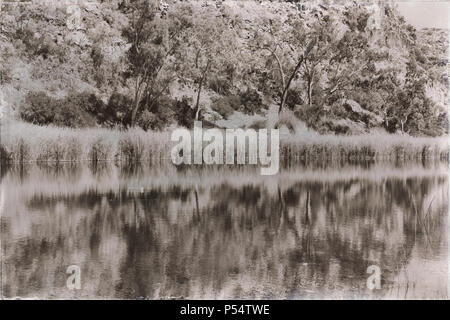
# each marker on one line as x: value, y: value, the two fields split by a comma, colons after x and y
x: 23, y: 142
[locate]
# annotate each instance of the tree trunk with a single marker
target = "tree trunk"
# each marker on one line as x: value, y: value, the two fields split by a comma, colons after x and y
x: 200, y: 85
x: 386, y: 119
x: 136, y: 103
x: 197, y: 105
x: 283, y: 100
x: 288, y: 84
x: 403, y: 122
x: 310, y: 83
x: 134, y: 112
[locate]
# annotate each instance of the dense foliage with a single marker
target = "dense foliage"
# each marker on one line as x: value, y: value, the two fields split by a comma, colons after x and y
x: 151, y: 64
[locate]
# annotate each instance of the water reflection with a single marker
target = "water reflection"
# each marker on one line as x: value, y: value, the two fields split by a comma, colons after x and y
x: 145, y: 232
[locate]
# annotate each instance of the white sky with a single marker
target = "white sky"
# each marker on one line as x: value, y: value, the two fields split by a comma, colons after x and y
x: 425, y: 14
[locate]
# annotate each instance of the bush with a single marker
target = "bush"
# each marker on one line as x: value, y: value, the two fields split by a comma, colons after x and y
x: 225, y: 106
x: 184, y: 114
x: 97, y: 56
x: 329, y: 126
x: 72, y: 116
x: 86, y: 108
x: 220, y: 86
x: 250, y: 101
x: 293, y: 99
x: 164, y: 110
x: 26, y: 35
x: 148, y: 120
x: 38, y: 108
x: 258, y: 124
x: 311, y: 115
x: 90, y: 103
x: 42, y: 46
x: 150, y: 116
x: 71, y: 111
x: 5, y: 73
x: 118, y: 110
x: 161, y: 113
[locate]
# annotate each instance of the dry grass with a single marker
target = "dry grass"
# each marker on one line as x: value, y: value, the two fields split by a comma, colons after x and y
x: 24, y: 142
x: 363, y: 147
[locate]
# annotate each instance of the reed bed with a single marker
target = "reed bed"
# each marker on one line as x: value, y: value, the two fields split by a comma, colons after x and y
x: 379, y: 146
x: 23, y: 142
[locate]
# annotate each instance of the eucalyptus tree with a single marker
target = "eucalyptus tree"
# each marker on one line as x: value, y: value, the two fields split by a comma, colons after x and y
x: 323, y: 56
x: 155, y: 37
x: 284, y: 47
x: 209, y: 49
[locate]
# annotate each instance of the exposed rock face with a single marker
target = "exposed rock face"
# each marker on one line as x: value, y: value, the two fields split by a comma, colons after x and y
x: 358, y: 114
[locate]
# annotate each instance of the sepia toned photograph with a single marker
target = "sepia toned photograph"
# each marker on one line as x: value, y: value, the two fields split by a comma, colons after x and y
x: 224, y: 150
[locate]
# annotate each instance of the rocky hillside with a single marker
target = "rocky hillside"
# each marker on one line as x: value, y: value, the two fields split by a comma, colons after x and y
x: 384, y: 75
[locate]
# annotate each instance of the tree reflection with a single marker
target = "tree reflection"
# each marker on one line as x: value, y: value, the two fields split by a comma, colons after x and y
x: 226, y: 240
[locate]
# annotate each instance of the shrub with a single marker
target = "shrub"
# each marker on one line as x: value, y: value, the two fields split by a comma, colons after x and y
x: 89, y: 103
x: 27, y: 37
x: 225, y: 106
x: 118, y: 110
x: 148, y: 120
x: 77, y: 110
x: 310, y: 114
x: 37, y: 46
x: 72, y: 116
x: 95, y: 106
x: 219, y: 85
x: 159, y: 114
x: 70, y: 111
x: 97, y: 56
x: 293, y: 99
x: 85, y: 109
x: 329, y: 126
x: 250, y: 101
x: 38, y: 108
x: 5, y: 73
x: 392, y: 125
x: 183, y: 113
x: 164, y: 110
x: 258, y: 124
x: 224, y: 109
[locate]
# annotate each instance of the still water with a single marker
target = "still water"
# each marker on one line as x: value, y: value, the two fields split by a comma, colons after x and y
x: 209, y: 233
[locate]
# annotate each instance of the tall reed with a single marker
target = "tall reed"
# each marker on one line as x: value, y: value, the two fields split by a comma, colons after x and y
x: 23, y: 142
